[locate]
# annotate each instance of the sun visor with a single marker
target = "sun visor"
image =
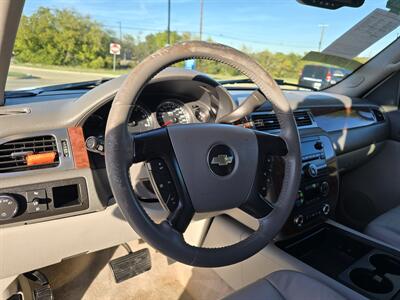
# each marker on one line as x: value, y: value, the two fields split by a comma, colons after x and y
x: 365, y: 33
x: 333, y: 60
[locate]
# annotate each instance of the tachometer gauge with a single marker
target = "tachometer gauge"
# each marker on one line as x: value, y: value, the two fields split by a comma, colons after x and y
x: 140, y: 120
x: 169, y: 113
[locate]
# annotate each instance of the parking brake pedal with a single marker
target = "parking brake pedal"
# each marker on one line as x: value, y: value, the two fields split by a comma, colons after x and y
x: 131, y: 265
x: 42, y: 289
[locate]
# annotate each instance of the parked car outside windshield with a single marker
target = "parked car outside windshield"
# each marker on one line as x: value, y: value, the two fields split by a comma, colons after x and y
x: 320, y: 77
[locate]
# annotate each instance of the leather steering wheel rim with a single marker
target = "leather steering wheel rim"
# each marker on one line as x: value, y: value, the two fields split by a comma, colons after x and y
x: 123, y: 149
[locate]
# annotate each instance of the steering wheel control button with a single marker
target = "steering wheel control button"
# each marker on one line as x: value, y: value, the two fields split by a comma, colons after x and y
x: 163, y: 184
x: 36, y: 194
x: 266, y: 178
x: 221, y: 160
x: 8, y: 207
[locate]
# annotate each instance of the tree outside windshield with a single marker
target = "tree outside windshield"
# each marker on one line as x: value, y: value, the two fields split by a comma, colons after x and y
x: 71, y: 41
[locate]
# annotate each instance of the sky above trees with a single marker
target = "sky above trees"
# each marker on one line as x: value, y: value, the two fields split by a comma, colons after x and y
x: 276, y: 25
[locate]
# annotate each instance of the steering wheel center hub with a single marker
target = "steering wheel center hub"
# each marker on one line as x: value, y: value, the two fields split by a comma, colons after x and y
x: 218, y: 165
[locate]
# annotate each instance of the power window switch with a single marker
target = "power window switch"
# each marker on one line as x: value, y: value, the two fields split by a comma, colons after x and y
x: 36, y: 206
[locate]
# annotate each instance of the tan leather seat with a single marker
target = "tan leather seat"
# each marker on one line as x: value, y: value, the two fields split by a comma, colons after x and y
x: 286, y: 285
x: 386, y: 227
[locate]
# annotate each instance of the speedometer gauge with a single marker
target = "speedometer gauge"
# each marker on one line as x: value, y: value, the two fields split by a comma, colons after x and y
x: 171, y: 112
x: 140, y: 120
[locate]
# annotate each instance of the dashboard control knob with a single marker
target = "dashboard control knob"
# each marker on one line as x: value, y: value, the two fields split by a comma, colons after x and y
x: 299, y: 220
x: 95, y: 144
x: 92, y: 142
x: 311, y: 170
x: 8, y: 207
x: 324, y: 188
x: 326, y: 209
x: 318, y: 146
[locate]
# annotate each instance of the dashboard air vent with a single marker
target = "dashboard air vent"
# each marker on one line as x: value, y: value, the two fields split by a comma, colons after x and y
x: 268, y: 121
x: 379, y: 117
x: 13, y: 154
x: 302, y: 118
x: 265, y: 122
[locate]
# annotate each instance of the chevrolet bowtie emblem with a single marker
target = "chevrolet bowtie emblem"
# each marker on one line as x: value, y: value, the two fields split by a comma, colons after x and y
x: 222, y: 160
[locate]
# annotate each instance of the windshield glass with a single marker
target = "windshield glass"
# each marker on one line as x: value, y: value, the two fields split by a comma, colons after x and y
x: 61, y: 41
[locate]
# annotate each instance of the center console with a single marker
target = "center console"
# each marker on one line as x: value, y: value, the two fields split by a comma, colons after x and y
x: 354, y: 260
x: 318, y: 191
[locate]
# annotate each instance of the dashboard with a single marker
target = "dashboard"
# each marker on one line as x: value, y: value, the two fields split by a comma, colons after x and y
x: 174, y: 97
x: 160, y: 105
x: 345, y: 126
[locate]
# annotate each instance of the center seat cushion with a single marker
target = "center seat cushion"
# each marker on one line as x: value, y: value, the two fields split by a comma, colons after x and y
x: 286, y: 285
x: 386, y: 227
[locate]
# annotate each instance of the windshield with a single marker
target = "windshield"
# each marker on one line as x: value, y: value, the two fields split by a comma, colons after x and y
x: 61, y: 41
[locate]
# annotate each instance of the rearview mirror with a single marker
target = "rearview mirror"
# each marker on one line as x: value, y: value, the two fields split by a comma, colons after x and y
x: 332, y: 4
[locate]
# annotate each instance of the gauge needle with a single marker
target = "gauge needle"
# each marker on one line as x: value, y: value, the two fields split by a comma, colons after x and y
x: 168, y: 123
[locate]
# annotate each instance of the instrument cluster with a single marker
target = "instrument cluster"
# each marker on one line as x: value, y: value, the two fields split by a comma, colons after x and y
x: 168, y: 113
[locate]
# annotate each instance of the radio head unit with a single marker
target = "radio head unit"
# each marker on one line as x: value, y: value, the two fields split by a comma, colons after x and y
x: 318, y: 191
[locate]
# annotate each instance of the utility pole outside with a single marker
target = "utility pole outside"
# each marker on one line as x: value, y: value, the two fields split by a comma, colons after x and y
x: 120, y: 32
x: 201, y: 18
x: 321, y: 38
x: 120, y: 36
x: 169, y: 23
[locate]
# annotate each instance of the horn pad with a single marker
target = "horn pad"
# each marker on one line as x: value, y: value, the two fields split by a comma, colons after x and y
x: 218, y: 163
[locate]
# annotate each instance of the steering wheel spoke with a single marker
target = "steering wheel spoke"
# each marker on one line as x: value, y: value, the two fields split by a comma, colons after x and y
x: 270, y: 144
x: 151, y: 145
x: 155, y: 148
x: 171, y: 191
x: 180, y: 218
x: 257, y: 206
x: 269, y: 175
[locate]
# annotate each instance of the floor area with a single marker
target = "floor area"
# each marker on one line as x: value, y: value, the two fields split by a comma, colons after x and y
x: 90, y: 277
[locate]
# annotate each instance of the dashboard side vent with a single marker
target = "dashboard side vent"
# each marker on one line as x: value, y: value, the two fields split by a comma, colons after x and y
x: 302, y: 118
x: 269, y: 121
x: 379, y: 117
x: 13, y: 154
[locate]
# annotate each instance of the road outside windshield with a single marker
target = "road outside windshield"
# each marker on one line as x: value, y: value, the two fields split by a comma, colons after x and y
x: 72, y: 41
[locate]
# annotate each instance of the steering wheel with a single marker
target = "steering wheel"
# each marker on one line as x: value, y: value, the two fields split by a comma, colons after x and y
x: 206, y: 167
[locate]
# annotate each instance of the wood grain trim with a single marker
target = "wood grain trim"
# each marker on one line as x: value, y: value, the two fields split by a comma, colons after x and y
x: 79, y: 152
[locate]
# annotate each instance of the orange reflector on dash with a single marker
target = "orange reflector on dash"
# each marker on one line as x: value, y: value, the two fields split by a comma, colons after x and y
x: 41, y: 158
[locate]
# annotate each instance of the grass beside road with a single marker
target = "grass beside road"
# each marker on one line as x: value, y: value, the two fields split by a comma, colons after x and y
x: 105, y: 72
x: 17, y: 75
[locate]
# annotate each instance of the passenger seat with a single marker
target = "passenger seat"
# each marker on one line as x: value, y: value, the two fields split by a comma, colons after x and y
x: 386, y: 227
